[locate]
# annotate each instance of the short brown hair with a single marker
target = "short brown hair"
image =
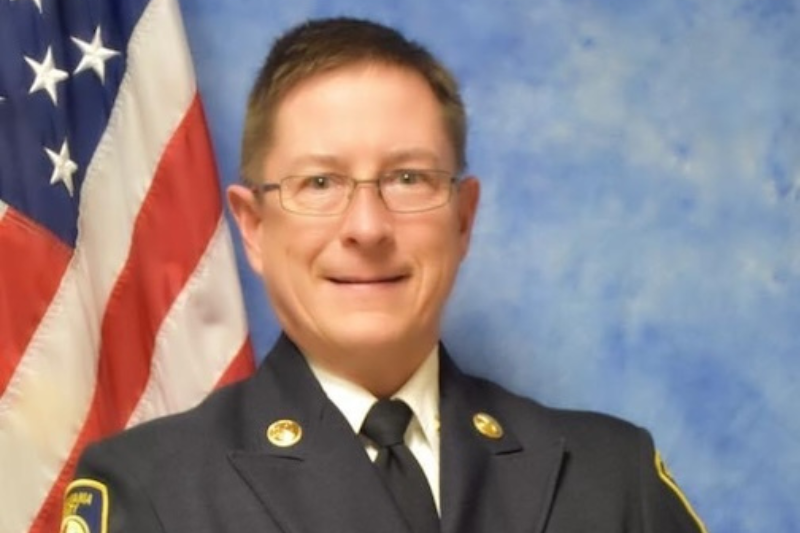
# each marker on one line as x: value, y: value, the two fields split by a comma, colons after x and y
x: 323, y: 45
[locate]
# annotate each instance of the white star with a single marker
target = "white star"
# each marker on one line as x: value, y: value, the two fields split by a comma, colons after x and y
x: 63, y: 167
x: 94, y: 55
x: 47, y: 75
x: 38, y: 4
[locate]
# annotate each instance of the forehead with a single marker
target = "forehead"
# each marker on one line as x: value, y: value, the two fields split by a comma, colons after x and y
x: 370, y: 108
x: 342, y: 88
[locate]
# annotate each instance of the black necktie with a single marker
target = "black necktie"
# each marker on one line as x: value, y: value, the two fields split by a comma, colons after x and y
x: 386, y: 425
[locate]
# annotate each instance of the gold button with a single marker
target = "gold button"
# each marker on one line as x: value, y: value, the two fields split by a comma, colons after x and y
x: 284, y: 433
x: 487, y: 426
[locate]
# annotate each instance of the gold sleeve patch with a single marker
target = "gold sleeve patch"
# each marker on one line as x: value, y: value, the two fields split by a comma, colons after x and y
x: 85, y: 507
x: 666, y: 477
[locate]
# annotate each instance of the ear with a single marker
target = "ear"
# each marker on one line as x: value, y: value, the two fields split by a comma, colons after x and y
x: 469, y: 192
x: 247, y: 213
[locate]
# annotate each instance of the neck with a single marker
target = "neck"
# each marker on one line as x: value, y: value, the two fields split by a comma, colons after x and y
x: 380, y: 370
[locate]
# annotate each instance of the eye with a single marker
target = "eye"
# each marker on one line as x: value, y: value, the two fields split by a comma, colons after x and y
x: 319, y: 182
x: 410, y: 177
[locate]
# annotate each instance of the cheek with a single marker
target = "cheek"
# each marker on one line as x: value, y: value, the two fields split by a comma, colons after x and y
x: 291, y: 249
x: 286, y: 274
x: 440, y: 248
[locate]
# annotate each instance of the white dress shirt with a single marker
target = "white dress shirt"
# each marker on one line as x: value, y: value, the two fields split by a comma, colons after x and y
x: 421, y: 393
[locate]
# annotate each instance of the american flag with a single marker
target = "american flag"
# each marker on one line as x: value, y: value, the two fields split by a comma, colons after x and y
x: 119, y: 299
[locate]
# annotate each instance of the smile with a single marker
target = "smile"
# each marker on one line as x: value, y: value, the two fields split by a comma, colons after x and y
x: 368, y: 281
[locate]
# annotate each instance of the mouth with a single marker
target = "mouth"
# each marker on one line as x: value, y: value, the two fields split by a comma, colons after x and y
x: 368, y: 281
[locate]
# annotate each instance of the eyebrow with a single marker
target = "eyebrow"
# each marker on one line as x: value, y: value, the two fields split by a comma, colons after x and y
x: 393, y: 158
x: 399, y: 157
x: 316, y: 159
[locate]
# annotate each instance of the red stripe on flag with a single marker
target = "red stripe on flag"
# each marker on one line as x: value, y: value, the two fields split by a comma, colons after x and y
x: 172, y: 231
x: 173, y: 228
x: 240, y: 367
x: 31, y: 268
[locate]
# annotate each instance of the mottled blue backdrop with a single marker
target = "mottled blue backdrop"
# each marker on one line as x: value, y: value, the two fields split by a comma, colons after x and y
x: 638, y: 241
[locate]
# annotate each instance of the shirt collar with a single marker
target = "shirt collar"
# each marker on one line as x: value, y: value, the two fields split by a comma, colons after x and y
x: 420, y: 392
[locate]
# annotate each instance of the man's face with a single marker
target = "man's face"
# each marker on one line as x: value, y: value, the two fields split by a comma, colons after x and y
x: 368, y: 280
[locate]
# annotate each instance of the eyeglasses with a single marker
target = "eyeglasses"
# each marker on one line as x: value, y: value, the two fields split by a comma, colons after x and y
x: 402, y: 191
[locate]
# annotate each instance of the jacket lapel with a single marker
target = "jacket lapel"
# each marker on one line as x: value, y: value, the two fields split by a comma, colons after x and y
x: 491, y: 484
x: 324, y: 482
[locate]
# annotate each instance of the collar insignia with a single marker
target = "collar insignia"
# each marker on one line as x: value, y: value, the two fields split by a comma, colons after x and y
x: 487, y: 426
x: 284, y: 433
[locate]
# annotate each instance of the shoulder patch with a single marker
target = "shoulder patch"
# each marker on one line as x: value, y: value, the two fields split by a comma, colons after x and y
x: 666, y: 477
x: 85, y: 507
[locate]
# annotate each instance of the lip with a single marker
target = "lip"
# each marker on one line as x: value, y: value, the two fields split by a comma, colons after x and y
x: 367, y: 281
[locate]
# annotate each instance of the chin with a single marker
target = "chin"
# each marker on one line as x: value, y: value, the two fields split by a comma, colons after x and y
x: 370, y: 331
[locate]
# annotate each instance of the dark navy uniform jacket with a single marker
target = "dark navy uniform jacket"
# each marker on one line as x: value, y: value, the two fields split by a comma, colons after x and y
x: 213, y: 469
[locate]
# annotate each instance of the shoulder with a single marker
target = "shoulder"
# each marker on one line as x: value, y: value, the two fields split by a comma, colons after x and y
x: 611, y: 472
x: 165, y: 443
x: 517, y: 405
x: 594, y: 432
x: 166, y: 471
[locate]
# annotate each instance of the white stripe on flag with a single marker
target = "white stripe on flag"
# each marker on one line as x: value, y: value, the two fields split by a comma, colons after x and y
x: 202, y: 333
x: 3, y: 209
x: 47, y: 399
x: 145, y: 117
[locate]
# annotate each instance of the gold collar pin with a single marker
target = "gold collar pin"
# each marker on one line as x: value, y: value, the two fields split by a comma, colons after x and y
x: 487, y: 426
x: 284, y: 433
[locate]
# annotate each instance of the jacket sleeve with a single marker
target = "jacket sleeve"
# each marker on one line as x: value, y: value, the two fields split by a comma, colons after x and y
x: 106, y: 496
x: 665, y: 509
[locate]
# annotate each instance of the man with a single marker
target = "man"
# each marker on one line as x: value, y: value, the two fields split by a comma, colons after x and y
x: 355, y: 213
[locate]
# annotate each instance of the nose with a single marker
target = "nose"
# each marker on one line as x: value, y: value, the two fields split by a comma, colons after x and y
x: 367, y: 222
